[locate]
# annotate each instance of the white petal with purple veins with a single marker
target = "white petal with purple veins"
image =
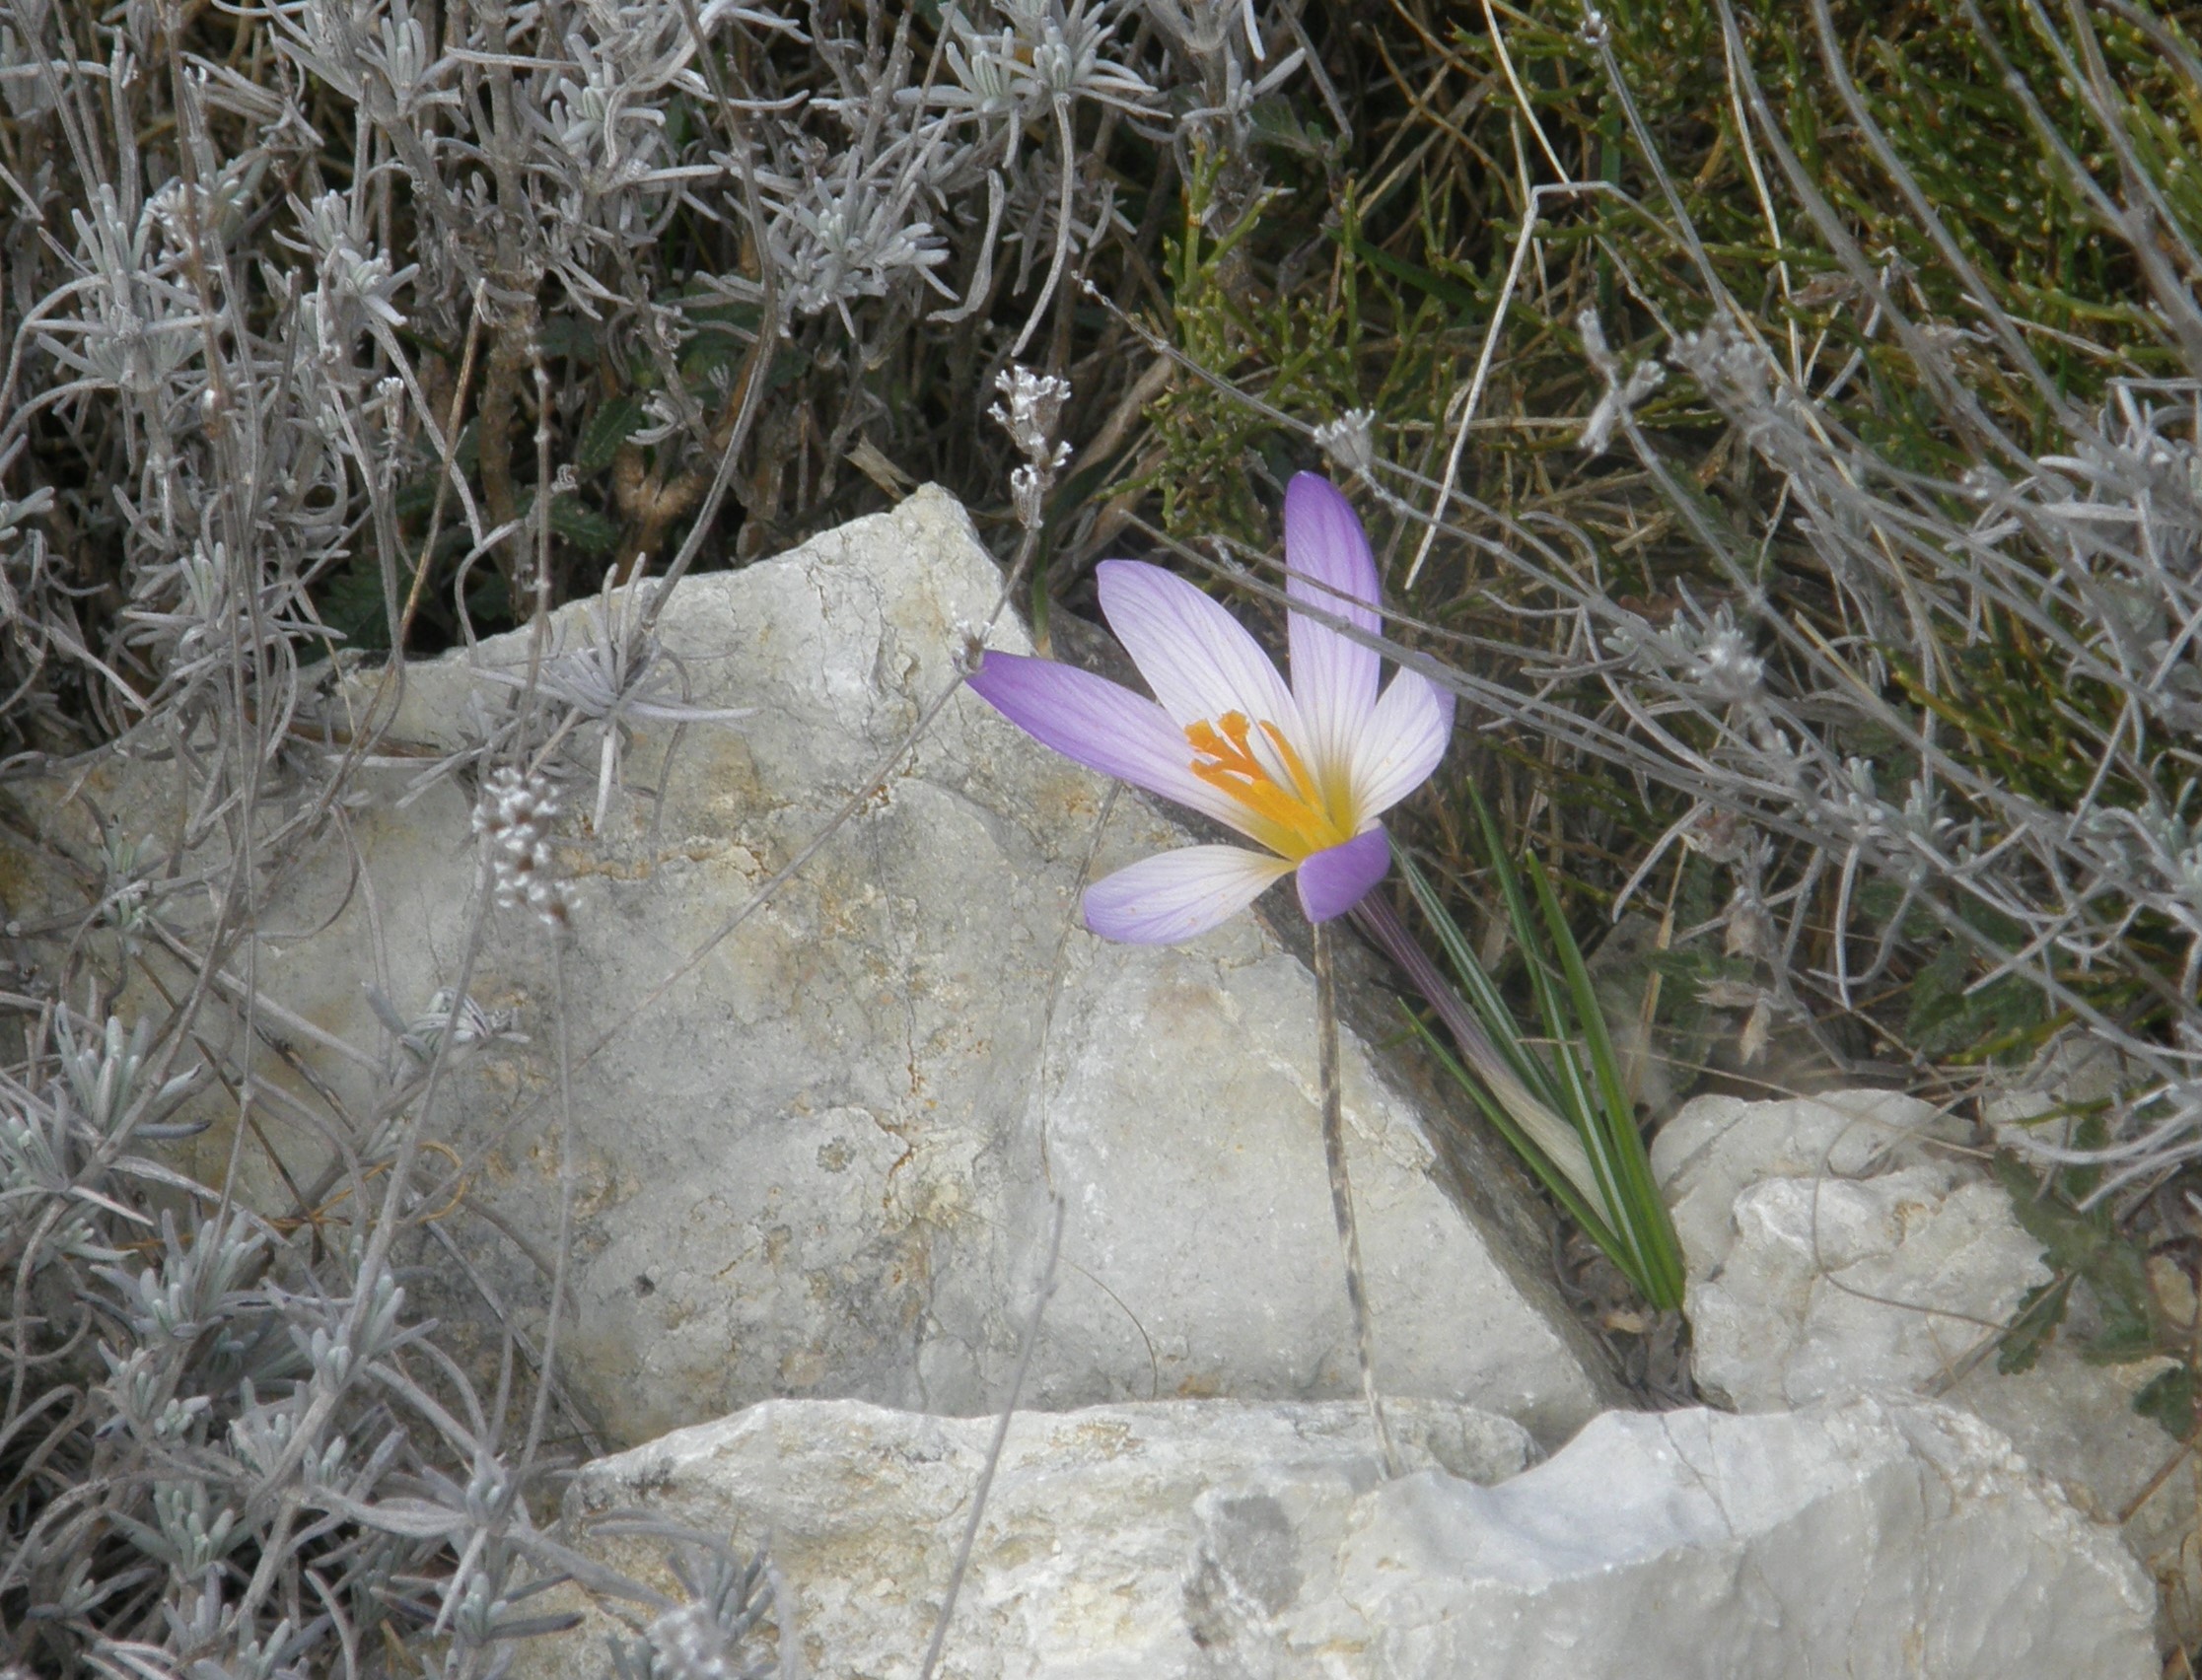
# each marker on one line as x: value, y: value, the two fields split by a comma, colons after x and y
x: 1199, y: 660
x: 1102, y: 725
x: 1176, y: 895
x: 1334, y: 678
x: 1401, y: 742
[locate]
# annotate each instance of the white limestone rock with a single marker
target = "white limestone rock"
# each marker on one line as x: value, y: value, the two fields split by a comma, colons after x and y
x: 1833, y: 1250
x: 1207, y: 1541
x: 1081, y: 1561
x: 1862, y: 1539
x: 1714, y: 1147
x: 817, y: 1159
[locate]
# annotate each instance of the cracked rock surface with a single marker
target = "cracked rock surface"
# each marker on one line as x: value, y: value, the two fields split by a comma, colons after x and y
x: 818, y: 1159
x: 1836, y: 1245
x: 1220, y: 1541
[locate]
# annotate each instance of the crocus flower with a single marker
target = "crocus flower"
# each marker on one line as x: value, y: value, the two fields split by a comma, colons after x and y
x: 1303, y: 771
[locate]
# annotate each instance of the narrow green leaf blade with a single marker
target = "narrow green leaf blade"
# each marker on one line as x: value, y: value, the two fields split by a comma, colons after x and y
x: 1564, y: 1190
x: 1638, y: 1206
x: 1482, y: 991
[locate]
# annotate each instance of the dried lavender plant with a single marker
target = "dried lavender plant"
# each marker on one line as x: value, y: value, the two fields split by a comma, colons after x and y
x: 1933, y: 717
x: 2062, y: 863
x: 290, y: 288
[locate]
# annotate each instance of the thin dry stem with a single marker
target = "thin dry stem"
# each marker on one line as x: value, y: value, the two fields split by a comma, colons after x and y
x: 1341, y: 1187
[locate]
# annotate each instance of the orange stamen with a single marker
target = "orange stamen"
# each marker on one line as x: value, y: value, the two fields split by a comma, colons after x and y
x: 1295, y: 821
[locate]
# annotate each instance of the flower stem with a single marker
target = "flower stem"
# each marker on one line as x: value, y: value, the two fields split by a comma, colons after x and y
x: 1341, y: 1187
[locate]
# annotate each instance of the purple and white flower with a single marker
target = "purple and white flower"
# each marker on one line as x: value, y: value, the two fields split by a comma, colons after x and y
x: 1305, y: 771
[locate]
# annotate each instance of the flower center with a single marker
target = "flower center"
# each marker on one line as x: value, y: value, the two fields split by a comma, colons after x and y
x: 1293, y: 821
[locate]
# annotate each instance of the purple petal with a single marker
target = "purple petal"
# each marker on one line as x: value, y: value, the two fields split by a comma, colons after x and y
x: 1401, y: 742
x: 1199, y: 660
x: 1176, y: 895
x: 1102, y: 726
x: 1334, y: 680
x: 1333, y: 881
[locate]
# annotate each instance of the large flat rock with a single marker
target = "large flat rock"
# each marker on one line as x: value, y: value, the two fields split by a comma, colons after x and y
x: 1206, y: 1541
x: 819, y: 1159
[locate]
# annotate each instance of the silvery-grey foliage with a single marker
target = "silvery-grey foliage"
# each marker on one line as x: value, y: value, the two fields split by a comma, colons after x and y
x: 1856, y: 822
x: 286, y: 286
x: 716, y: 1632
x: 1349, y: 442
x: 2092, y: 551
x: 233, y: 1451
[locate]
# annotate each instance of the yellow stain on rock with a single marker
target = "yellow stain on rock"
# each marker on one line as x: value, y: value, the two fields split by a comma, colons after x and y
x: 803, y: 1367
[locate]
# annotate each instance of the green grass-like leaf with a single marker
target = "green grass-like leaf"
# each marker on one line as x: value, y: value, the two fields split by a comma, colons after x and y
x: 1565, y: 1190
x: 1577, y: 1081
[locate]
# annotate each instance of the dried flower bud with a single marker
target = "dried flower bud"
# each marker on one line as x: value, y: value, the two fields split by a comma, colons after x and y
x: 1035, y: 404
x: 514, y: 817
x: 1349, y: 443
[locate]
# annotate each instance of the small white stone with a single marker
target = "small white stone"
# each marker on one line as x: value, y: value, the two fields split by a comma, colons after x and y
x: 2078, y: 1073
